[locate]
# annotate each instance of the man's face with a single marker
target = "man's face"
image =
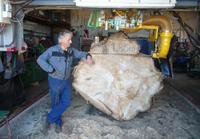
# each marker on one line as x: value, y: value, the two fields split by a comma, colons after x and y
x: 66, y: 41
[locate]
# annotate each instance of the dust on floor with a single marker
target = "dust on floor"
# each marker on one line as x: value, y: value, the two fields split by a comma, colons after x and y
x: 170, y: 117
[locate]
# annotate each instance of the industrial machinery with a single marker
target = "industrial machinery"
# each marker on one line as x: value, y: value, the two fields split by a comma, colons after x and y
x: 13, y: 75
x: 10, y: 84
x: 129, y: 21
x: 6, y: 27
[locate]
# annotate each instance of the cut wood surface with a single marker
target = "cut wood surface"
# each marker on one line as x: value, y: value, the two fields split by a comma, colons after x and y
x: 120, y: 83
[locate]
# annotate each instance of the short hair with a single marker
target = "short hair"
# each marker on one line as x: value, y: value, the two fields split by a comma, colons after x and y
x: 62, y: 34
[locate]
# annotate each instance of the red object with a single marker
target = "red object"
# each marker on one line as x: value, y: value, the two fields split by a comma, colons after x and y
x: 23, y: 48
x: 11, y: 49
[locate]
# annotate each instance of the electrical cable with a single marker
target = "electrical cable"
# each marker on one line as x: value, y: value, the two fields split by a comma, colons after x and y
x: 191, y: 36
x: 23, y: 6
x: 2, y: 28
x: 18, y: 2
x: 17, y: 19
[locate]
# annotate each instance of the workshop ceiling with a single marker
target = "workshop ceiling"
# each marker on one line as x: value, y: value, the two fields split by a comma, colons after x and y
x: 50, y: 17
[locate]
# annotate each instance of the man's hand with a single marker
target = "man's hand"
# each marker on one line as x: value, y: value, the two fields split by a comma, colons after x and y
x: 89, y: 60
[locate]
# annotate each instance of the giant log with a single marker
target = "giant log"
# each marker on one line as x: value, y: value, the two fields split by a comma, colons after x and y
x: 122, y: 81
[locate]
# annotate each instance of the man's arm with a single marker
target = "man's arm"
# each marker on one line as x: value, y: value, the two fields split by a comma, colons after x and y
x: 43, y: 61
x: 80, y: 54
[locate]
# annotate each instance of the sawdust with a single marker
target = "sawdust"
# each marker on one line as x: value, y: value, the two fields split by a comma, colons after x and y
x: 169, y: 117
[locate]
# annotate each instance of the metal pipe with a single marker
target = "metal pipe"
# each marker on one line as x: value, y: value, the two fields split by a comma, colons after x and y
x: 18, y: 2
x: 166, y: 35
x: 161, y: 21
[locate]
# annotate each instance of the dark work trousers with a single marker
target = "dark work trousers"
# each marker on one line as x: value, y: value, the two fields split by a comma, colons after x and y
x: 60, y: 92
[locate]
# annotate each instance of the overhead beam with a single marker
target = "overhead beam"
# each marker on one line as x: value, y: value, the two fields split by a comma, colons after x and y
x: 52, y: 2
x: 47, y: 22
x: 186, y: 3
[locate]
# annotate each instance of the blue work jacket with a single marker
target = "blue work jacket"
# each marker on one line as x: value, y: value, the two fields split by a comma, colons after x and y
x: 59, y: 63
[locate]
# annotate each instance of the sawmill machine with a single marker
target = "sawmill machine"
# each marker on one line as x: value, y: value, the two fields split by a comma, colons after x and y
x: 159, y: 30
x: 127, y: 16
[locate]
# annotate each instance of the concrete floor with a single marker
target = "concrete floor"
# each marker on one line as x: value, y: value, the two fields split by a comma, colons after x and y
x: 170, y: 117
x: 33, y: 93
x: 188, y: 87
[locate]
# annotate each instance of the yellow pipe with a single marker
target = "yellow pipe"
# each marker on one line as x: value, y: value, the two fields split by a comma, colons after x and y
x: 153, y: 23
x: 163, y: 50
x: 166, y: 34
x: 161, y: 21
x: 149, y: 27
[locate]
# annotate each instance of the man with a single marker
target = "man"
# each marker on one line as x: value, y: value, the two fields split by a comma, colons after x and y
x: 38, y: 48
x: 57, y: 61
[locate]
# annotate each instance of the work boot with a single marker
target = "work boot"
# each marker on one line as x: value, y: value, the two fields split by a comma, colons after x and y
x: 58, y: 129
